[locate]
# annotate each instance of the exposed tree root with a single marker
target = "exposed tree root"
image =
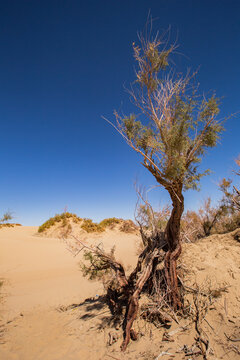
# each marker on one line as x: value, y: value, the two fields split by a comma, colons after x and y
x: 123, y: 292
x: 133, y: 304
x: 171, y: 277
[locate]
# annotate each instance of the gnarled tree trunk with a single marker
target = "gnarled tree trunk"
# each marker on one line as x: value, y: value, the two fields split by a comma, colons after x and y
x: 126, y: 295
x: 147, y: 262
x: 172, y: 235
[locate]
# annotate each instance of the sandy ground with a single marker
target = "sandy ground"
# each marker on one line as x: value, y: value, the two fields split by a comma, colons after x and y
x: 40, y: 272
x: 40, y: 275
x: 39, y: 321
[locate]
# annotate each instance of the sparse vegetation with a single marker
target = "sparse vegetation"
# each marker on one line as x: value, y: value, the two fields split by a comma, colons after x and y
x: 98, y: 269
x: 150, y: 218
x: 221, y: 218
x: 4, y: 221
x: 236, y: 196
x: 86, y: 224
x: 128, y: 226
x: 58, y: 218
x: 6, y: 217
x: 89, y: 226
x: 110, y: 222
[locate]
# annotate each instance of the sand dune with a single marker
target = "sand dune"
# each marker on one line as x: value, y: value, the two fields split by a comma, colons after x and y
x: 39, y: 271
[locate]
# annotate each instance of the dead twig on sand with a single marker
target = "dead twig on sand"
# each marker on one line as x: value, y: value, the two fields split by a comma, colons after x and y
x: 113, y: 357
x: 202, y: 343
x: 235, y: 349
x: 230, y: 339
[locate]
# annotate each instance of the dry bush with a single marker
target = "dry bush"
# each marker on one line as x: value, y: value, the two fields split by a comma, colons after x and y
x: 191, y: 227
x: 110, y: 222
x: 236, y: 194
x: 149, y: 218
x: 128, y: 226
x: 230, y: 203
x: 6, y: 225
x: 211, y: 219
x: 4, y: 221
x: 64, y: 217
x: 6, y: 217
x: 98, y: 268
x: 211, y: 216
x: 86, y: 224
x: 89, y: 226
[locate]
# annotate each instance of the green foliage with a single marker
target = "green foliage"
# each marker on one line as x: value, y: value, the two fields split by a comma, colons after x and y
x: 126, y: 225
x: 178, y: 126
x: 98, y: 267
x: 89, y: 226
x: 7, y: 225
x: 109, y: 222
x: 86, y: 224
x: 57, y: 219
x: 151, y: 61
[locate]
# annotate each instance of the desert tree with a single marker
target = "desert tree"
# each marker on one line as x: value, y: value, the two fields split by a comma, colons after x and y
x: 177, y: 127
x: 175, y: 131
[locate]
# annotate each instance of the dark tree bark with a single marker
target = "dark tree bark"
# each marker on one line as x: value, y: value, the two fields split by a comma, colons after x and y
x: 132, y: 286
x: 144, y: 266
x: 127, y: 294
x: 172, y: 234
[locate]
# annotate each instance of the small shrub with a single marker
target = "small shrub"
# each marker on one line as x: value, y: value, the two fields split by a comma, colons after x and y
x: 97, y: 267
x: 6, y: 217
x: 191, y: 227
x: 89, y: 226
x: 6, y: 225
x: 150, y: 218
x: 58, y: 218
x: 109, y: 222
x: 128, y: 226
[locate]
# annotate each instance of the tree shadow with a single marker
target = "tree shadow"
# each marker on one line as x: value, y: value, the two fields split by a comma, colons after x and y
x: 93, y: 308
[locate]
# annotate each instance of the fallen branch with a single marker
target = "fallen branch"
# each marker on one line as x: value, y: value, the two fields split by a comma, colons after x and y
x: 230, y: 339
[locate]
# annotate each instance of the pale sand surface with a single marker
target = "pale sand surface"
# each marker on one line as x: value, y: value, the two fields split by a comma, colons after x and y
x: 41, y: 276
x: 39, y: 271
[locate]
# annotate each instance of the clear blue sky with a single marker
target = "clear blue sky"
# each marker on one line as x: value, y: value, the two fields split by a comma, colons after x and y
x: 63, y: 65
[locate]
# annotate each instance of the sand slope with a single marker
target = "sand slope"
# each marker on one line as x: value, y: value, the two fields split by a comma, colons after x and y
x: 40, y: 275
x: 42, y: 280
